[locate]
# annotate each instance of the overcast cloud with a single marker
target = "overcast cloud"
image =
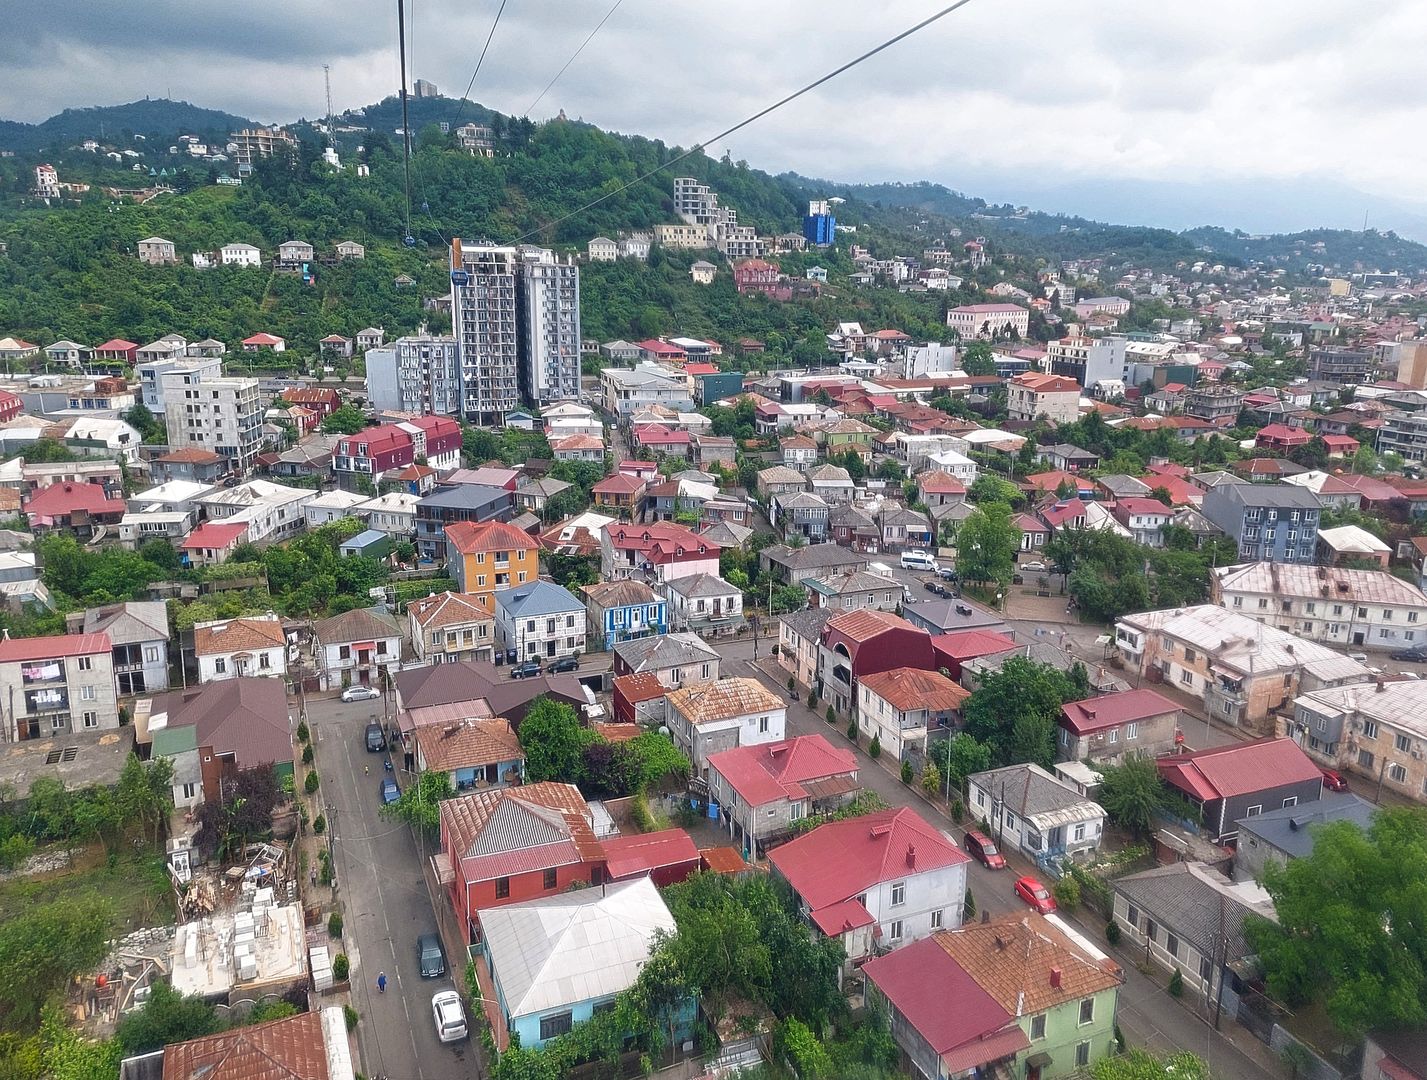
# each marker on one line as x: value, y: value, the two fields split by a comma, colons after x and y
x: 1012, y: 95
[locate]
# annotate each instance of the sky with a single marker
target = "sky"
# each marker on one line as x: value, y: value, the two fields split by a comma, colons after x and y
x: 1269, y: 114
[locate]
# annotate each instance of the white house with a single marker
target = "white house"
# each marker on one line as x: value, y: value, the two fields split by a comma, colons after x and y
x: 357, y: 647
x: 1029, y: 810
x: 707, y: 717
x: 331, y: 506
x: 958, y: 465
x: 704, y: 603
x: 394, y: 512
x: 240, y: 648
x: 270, y: 511
x: 540, y: 621
x: 602, y: 249
x: 240, y: 255
x: 901, y: 707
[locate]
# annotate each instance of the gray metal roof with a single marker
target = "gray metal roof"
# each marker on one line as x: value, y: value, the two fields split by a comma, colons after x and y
x: 696, y: 585
x: 538, y: 598
x: 573, y: 947
x: 1184, y: 899
x: 1291, y: 829
x: 1036, y: 795
x: 808, y: 624
x: 1277, y: 496
x: 665, y: 651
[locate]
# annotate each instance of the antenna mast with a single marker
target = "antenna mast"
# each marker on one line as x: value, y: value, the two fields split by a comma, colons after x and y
x: 409, y: 240
x: 327, y: 78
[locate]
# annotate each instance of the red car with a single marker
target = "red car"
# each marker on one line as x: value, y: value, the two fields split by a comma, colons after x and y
x: 1333, y: 780
x: 981, y: 848
x: 1034, y: 893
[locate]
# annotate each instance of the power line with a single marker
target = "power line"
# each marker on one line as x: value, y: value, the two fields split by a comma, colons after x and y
x: 479, y: 61
x: 573, y: 57
x: 756, y: 116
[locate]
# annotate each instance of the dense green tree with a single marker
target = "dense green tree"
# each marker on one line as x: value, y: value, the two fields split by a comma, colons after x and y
x: 1350, y: 918
x: 419, y: 805
x: 554, y: 742
x: 167, y: 1017
x: 1131, y: 793
x: 1014, y: 710
x: 46, y: 945
x: 986, y: 544
x: 988, y: 487
x: 959, y: 757
x: 347, y: 420
x: 978, y: 359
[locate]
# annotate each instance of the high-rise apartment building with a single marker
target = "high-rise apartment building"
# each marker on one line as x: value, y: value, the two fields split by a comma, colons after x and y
x: 548, y: 294
x: 223, y: 415
x: 419, y: 373
x: 485, y: 321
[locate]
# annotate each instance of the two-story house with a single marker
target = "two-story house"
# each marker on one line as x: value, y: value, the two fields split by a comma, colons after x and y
x: 373, y: 452
x: 539, y: 621
x: 486, y: 557
x: 622, y: 493
x: 240, y: 648
x: 800, y: 641
x: 1242, y: 780
x: 1144, y: 518
x: 762, y: 790
x: 705, y: 604
x: 707, y: 717
x: 449, y: 627
x: 357, y: 648
x: 1377, y: 730
x: 800, y: 514
x: 620, y: 610
x: 58, y: 685
x: 876, y: 881
x: 1109, y: 727
x: 475, y: 753
x: 1273, y: 522
x: 902, y: 707
x: 856, y: 644
x: 138, y: 631
x: 854, y: 591
x: 1030, y: 811
x: 673, y: 659
x: 660, y: 551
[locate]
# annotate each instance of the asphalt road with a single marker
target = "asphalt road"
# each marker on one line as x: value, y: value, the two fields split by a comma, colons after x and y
x: 385, y: 906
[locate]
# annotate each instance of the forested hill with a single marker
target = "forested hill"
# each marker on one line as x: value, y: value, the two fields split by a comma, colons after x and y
x: 1341, y: 249
x: 152, y: 118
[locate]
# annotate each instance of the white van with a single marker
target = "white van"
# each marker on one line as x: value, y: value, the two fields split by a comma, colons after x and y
x: 918, y: 560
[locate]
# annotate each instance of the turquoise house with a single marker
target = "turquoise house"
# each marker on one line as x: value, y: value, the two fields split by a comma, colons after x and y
x: 557, y: 961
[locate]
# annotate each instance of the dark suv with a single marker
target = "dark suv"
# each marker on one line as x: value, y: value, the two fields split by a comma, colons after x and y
x: 565, y: 663
x: 376, y: 738
x: 527, y: 670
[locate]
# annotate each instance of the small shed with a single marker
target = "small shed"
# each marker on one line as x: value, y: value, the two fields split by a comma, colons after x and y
x: 373, y: 543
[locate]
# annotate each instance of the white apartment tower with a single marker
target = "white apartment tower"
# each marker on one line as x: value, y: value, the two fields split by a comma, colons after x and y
x: 485, y: 324
x: 218, y: 414
x: 549, y: 300
x: 418, y: 373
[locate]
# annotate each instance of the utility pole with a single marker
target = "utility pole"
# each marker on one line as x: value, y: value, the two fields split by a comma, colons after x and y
x: 405, y: 116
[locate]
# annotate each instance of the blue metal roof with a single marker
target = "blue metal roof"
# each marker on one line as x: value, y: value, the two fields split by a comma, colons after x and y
x: 538, y: 598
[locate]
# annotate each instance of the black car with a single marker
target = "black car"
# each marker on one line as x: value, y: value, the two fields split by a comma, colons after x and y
x: 934, y: 588
x: 946, y: 573
x: 1415, y: 654
x: 376, y: 738
x: 527, y: 670
x: 431, y: 956
x: 565, y: 663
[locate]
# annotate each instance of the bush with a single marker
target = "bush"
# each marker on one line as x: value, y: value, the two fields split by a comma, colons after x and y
x: 310, y: 784
x: 14, y: 850
x: 1067, y: 893
x: 831, y: 716
x: 875, y: 748
x: 319, y: 824
x: 1176, y: 983
x: 958, y: 811
x: 334, y: 924
x: 852, y: 729
x: 803, y: 1050
x: 812, y: 697
x: 351, y: 1016
x: 906, y: 771
x: 341, y: 967
x: 792, y: 684
x: 303, y: 735
x: 1112, y: 932
x: 968, y: 909
x: 307, y: 754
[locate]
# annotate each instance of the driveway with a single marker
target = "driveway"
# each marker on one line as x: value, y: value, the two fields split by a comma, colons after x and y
x: 385, y: 906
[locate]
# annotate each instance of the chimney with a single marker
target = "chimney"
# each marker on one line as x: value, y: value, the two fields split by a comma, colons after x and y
x: 912, y: 855
x: 1055, y: 978
x: 1381, y: 686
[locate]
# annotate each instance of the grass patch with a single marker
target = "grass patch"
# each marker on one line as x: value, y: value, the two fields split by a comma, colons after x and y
x: 136, y: 884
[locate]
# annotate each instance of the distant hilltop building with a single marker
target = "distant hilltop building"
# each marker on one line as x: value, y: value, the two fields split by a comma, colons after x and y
x: 476, y: 139
x: 423, y: 89
x: 820, y: 226
x: 46, y: 182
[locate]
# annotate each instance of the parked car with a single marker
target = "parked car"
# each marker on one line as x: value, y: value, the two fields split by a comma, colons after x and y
x: 983, y: 849
x: 430, y: 956
x: 946, y: 573
x: 376, y: 739
x: 360, y: 693
x: 450, y: 1017
x: 1016, y: 579
x: 1415, y: 654
x: 1034, y: 893
x: 935, y: 588
x: 1333, y: 780
x: 526, y: 670
x: 1035, y: 566
x: 565, y: 663
x: 390, y: 792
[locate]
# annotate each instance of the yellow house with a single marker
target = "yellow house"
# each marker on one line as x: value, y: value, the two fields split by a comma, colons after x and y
x: 489, y: 556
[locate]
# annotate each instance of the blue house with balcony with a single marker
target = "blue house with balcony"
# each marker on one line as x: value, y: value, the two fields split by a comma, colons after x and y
x: 552, y: 963
x: 621, y: 610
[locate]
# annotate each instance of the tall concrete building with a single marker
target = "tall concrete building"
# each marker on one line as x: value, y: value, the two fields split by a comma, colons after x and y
x: 418, y: 373
x: 223, y: 415
x: 485, y: 322
x: 151, y: 372
x: 548, y: 294
x: 1412, y: 364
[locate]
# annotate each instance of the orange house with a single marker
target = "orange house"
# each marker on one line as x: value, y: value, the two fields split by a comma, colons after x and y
x: 486, y: 557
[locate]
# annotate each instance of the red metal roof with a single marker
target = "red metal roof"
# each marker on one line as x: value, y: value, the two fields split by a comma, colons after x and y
x: 773, y: 771
x: 966, y: 645
x: 213, y: 536
x: 262, y: 339
x: 631, y: 856
x: 66, y: 498
x: 1112, y: 710
x: 1225, y: 771
x: 469, y: 537
x: 841, y: 859
x: 620, y: 483
x: 840, y: 918
x: 50, y: 648
x: 920, y: 979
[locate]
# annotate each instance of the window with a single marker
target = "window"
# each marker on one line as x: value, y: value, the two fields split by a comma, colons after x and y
x: 550, y: 878
x: 1255, y: 810
x: 555, y: 1025
x: 1403, y: 744
x: 1412, y: 616
x: 91, y: 719
x: 894, y: 931
x: 763, y: 725
x: 1365, y: 758
x: 1171, y: 945
x: 264, y: 660
x: 899, y: 894
x: 1186, y: 677
x: 190, y: 790
x: 1396, y: 773
x: 86, y: 663
x: 1079, y: 832
x: 1292, y: 800
x: 1189, y: 655
x: 1038, y: 1026
x: 1206, y: 969
x: 1087, y: 1010
x: 1238, y: 601
x: 220, y: 665
x: 502, y: 888
x: 1337, y: 609
x: 1262, y: 602
x: 936, y: 919
x: 151, y: 654
x: 1369, y: 729
x: 1010, y: 820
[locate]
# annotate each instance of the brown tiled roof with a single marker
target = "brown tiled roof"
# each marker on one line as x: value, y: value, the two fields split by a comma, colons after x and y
x: 447, y: 609
x: 288, y: 1049
x: 706, y: 702
x: 911, y: 688
x: 237, y: 635
x: 622, y: 593
x: 1014, y: 956
x: 359, y: 624
x: 191, y: 455
x: 467, y: 743
x: 866, y: 623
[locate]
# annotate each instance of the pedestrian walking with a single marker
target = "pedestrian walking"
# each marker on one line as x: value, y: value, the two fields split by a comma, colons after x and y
x: 312, y: 877
x: 381, y: 983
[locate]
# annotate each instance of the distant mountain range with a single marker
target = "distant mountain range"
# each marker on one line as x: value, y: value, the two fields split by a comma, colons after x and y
x: 1167, y: 218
